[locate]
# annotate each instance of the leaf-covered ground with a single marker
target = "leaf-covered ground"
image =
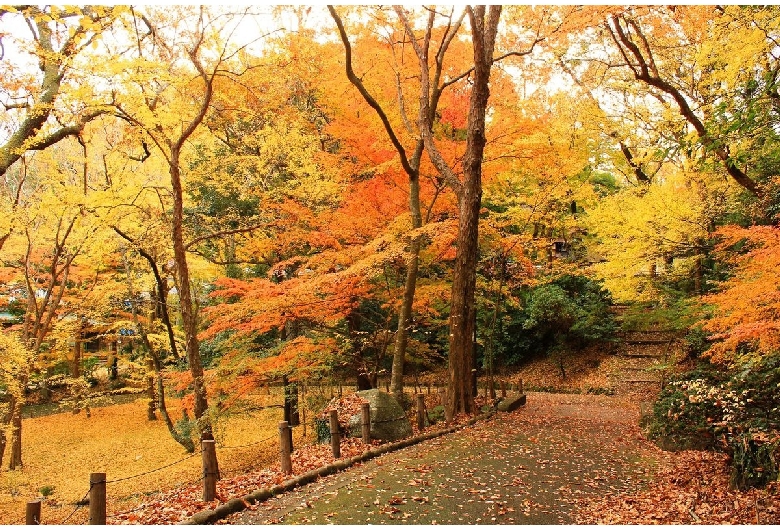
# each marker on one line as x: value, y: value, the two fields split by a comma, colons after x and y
x: 138, y: 456
x: 691, y: 489
x: 563, y: 459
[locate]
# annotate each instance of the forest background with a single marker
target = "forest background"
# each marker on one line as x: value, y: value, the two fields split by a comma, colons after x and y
x: 305, y: 194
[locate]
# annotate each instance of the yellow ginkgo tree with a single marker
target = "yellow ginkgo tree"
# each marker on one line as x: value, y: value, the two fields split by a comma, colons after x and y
x: 57, y: 254
x: 661, y: 232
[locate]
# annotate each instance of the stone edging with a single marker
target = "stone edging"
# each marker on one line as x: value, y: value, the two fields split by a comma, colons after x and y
x: 239, y: 504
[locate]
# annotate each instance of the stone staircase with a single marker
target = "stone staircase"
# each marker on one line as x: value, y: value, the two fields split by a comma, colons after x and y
x: 645, y: 359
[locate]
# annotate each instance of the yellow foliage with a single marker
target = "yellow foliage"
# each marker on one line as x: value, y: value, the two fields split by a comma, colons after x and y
x: 121, y: 442
x: 14, y: 364
x: 658, y: 229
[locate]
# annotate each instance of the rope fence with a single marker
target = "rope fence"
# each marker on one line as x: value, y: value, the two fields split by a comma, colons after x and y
x: 119, y: 514
x: 95, y: 497
x: 247, y: 445
x: 79, y: 505
x: 154, y: 470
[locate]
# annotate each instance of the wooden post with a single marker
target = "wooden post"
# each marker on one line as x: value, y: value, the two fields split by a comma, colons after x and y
x: 366, y: 417
x: 97, y: 498
x: 447, y: 413
x: 443, y: 397
x: 420, y: 412
x: 503, y: 389
x: 32, y: 514
x: 303, y: 410
x: 285, y: 443
x: 335, y: 434
x: 209, y: 453
x: 152, y: 405
x: 291, y: 414
x: 520, y: 387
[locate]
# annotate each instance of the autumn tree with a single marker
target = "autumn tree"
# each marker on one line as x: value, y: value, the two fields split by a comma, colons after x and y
x: 43, y: 108
x: 154, y: 342
x: 410, y: 157
x: 57, y: 255
x: 678, y: 73
x: 169, y: 109
x: 267, y: 150
x: 469, y: 191
x: 15, y: 361
x: 657, y: 236
x: 743, y: 325
x: 536, y: 190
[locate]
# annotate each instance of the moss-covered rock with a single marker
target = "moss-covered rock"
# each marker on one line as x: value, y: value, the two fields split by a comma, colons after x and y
x: 388, y: 420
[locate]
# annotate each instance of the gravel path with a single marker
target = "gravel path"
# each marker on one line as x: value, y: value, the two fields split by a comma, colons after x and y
x: 532, y: 466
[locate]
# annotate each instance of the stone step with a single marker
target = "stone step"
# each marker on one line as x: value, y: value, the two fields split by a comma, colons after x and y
x: 643, y: 355
x: 647, y: 342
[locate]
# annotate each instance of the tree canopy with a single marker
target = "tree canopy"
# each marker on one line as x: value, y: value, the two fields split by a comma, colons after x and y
x: 361, y: 191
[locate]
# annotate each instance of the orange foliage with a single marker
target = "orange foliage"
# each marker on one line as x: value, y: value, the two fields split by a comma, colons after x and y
x: 258, y: 305
x: 370, y: 205
x: 747, y: 308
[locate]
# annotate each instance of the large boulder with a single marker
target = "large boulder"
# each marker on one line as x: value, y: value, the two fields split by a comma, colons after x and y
x: 388, y: 419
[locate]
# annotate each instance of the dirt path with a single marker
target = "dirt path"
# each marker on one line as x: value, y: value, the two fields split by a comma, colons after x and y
x: 532, y: 466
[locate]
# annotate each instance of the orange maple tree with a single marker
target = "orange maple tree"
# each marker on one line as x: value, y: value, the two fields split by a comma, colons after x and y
x: 745, y: 320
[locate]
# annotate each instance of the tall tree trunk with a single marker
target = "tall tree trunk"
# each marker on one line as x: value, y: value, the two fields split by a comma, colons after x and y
x: 462, y: 324
x: 75, y: 371
x: 468, y: 191
x: 291, y: 412
x: 184, y: 441
x: 410, y: 285
x: 150, y: 387
x: 155, y: 369
x: 15, y: 419
x: 16, y: 437
x: 160, y: 296
x: 462, y: 327
x: 188, y: 316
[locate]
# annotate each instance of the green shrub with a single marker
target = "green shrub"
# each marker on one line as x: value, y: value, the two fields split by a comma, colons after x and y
x: 678, y: 314
x: 46, y: 491
x: 572, y: 310
x: 436, y: 414
x: 679, y: 421
x: 696, y: 342
x: 754, y: 462
x: 737, y: 412
x: 568, y: 313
